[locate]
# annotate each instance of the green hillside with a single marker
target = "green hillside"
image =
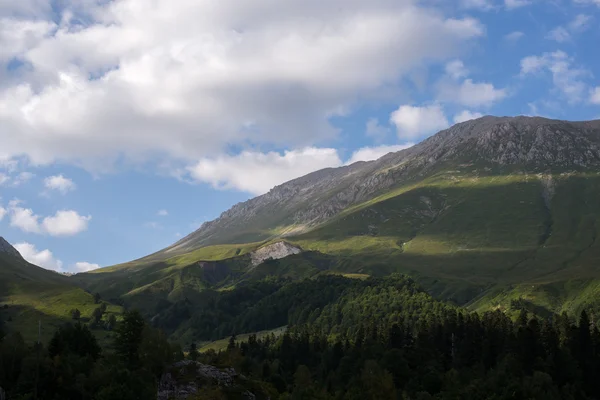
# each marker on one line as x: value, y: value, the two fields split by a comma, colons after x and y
x: 30, y: 295
x: 495, y: 213
x: 481, y: 241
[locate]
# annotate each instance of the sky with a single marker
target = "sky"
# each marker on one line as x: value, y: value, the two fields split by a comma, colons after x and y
x: 125, y: 124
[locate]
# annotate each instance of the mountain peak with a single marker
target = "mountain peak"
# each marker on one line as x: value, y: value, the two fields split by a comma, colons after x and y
x: 7, y: 248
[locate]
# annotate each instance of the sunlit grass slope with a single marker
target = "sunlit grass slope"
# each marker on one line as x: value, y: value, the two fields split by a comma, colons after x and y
x: 32, y: 295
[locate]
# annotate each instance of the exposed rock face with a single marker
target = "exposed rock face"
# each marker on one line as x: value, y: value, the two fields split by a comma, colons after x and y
x: 275, y: 251
x: 503, y: 144
x: 7, y: 248
x: 186, y: 378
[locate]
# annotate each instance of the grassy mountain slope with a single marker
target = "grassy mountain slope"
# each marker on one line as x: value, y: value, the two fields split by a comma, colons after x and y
x: 488, y: 213
x: 29, y: 294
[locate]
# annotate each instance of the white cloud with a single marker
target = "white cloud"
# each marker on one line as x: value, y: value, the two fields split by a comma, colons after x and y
x: 512, y: 4
x: 595, y: 95
x: 3, y: 178
x: 66, y: 223
x: 413, y: 122
x: 565, y: 77
x: 484, y: 5
x: 3, y: 212
x: 514, y: 36
x: 375, y: 130
x: 456, y: 69
x: 466, y: 115
x: 559, y: 34
x: 62, y: 223
x: 469, y: 93
x: 43, y: 258
x: 374, y: 153
x: 580, y: 23
x: 256, y: 172
x: 83, y: 266
x: 182, y: 79
x: 24, y: 219
x: 590, y: 2
x: 59, y: 183
x: 162, y: 213
x: 22, y: 178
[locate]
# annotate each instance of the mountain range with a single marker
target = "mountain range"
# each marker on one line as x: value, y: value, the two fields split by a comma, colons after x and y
x: 490, y: 213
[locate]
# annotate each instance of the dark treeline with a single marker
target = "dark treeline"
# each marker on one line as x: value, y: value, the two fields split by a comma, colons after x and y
x: 387, y: 339
x: 458, y: 356
x: 347, y: 339
x: 73, y: 365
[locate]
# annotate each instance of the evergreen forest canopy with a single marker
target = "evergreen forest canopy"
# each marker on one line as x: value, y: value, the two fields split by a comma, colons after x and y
x: 377, y: 338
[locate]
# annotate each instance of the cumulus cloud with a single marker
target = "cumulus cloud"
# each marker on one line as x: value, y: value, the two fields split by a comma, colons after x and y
x: 3, y: 212
x: 484, y: 5
x: 470, y: 94
x: 456, y: 69
x: 559, y: 34
x: 183, y: 79
x: 83, y: 266
x: 514, y: 36
x: 256, y: 172
x: 413, y: 122
x: 513, y: 4
x: 375, y: 130
x: 65, y: 223
x: 3, y: 178
x: 595, y: 95
x: 453, y: 88
x: 62, y: 223
x: 162, y: 213
x: 24, y: 219
x: 580, y: 23
x: 59, y: 183
x: 22, y: 178
x: 466, y: 115
x: 43, y: 258
x: 374, y: 153
x: 566, y: 78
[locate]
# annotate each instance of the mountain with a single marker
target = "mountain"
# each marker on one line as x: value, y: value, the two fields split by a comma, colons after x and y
x: 493, y: 212
x: 30, y: 294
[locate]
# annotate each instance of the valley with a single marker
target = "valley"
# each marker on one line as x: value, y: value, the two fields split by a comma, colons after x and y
x: 490, y: 226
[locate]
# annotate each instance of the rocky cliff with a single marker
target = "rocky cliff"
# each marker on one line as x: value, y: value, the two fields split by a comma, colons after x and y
x: 273, y: 251
x: 186, y: 379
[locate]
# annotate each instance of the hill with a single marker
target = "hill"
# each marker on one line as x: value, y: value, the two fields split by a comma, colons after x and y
x: 30, y: 295
x: 496, y: 212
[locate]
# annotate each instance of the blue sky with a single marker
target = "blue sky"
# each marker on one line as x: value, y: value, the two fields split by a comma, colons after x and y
x: 125, y: 124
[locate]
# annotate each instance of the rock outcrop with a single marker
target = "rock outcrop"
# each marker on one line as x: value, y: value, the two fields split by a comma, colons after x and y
x: 188, y: 378
x: 273, y: 251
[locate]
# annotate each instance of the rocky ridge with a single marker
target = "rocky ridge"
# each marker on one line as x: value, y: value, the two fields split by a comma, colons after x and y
x: 7, y: 248
x: 527, y: 144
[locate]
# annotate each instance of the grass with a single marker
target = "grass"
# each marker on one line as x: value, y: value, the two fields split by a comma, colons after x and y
x: 221, y: 344
x: 35, y: 295
x: 475, y: 239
